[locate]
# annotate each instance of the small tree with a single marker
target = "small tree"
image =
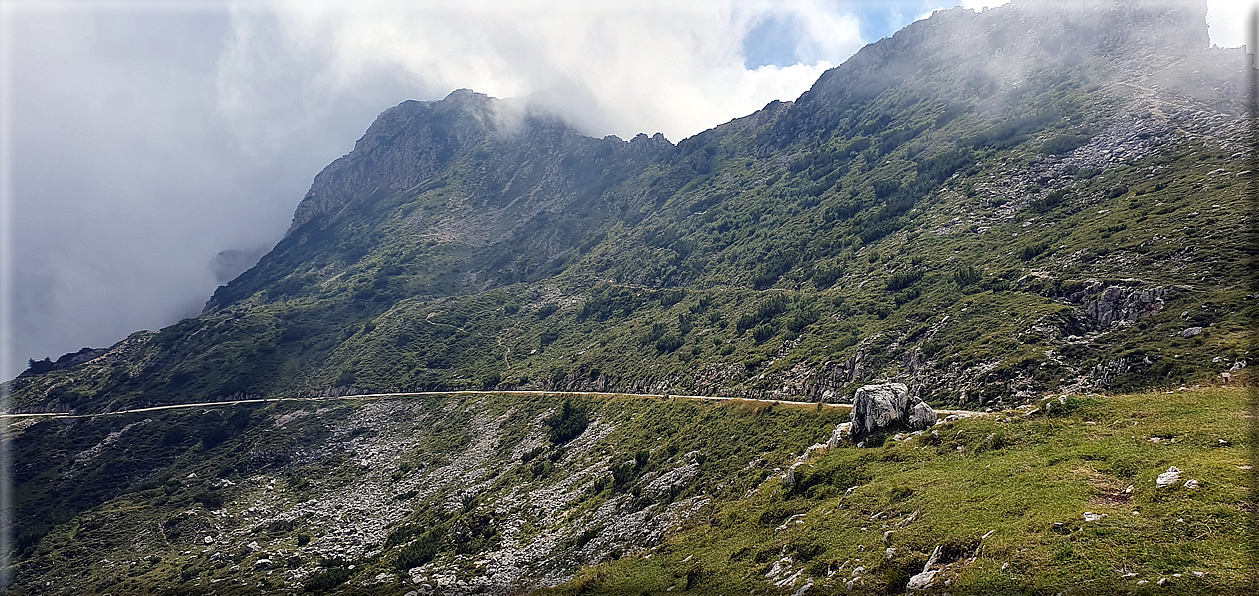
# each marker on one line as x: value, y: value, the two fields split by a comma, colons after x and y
x: 39, y: 367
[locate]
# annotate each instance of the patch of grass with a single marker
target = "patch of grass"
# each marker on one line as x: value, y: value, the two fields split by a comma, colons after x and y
x: 960, y: 495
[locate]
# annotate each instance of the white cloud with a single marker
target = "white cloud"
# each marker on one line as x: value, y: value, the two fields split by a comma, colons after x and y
x: 1227, y: 21
x: 623, y: 68
x: 978, y: 5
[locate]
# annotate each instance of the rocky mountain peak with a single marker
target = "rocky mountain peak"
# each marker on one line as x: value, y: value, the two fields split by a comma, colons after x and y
x: 985, y: 58
x: 402, y: 147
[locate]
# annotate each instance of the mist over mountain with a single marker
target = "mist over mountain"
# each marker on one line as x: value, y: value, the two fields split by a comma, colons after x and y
x: 1025, y: 160
x: 986, y: 207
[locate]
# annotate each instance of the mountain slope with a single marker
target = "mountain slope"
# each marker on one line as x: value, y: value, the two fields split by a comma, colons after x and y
x: 504, y: 494
x: 988, y: 206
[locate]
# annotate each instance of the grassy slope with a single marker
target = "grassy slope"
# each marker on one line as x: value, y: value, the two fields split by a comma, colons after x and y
x: 1012, y: 475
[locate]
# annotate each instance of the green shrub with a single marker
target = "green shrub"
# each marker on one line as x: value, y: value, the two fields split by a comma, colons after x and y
x: 327, y: 579
x: 827, y: 274
x: 967, y: 276
x: 668, y: 343
x: 903, y: 279
x: 763, y: 332
x: 801, y: 319
x: 423, y: 550
x: 209, y: 500
x: 1050, y: 201
x: 1034, y: 250
x: 566, y: 424
x: 1064, y: 143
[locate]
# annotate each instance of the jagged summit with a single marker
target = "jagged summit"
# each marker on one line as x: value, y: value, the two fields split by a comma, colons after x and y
x: 958, y: 55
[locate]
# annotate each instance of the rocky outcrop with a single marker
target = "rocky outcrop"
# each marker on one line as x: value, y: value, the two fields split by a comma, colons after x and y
x: 405, y: 146
x: 886, y: 407
x: 1109, y: 304
x: 825, y: 384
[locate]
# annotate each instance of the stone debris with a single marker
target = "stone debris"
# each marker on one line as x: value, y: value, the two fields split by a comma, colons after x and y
x: 923, y: 580
x: 841, y: 434
x: 1168, y: 479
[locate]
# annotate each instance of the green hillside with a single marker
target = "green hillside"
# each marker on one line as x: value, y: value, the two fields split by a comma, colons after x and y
x: 630, y: 495
x: 1053, y: 204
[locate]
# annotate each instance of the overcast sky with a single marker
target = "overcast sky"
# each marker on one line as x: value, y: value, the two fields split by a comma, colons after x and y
x: 142, y: 138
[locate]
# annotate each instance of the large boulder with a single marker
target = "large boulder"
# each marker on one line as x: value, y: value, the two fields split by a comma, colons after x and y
x: 921, y: 416
x: 888, y: 406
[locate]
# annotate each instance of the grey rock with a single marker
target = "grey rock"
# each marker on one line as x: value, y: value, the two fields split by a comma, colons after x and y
x: 1190, y: 332
x: 1168, y: 478
x: 921, y: 417
x: 790, y: 479
x: 878, y: 406
x: 921, y: 581
x: 888, y: 406
x: 840, y: 435
x: 1108, y: 305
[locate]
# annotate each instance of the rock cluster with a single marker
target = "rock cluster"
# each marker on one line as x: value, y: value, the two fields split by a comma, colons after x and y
x: 888, y: 406
x: 1114, y: 304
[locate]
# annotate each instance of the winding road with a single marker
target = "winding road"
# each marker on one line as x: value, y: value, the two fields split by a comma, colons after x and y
x: 370, y: 396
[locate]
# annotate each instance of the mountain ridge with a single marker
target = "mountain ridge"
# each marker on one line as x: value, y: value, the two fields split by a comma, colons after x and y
x: 668, y: 255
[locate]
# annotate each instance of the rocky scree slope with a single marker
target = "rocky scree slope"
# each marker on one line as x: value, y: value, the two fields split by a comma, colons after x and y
x: 492, y: 494
x: 504, y: 494
x: 983, y: 206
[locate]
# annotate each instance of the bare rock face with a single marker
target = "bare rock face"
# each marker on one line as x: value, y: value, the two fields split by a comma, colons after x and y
x: 1107, y: 305
x: 888, y: 406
